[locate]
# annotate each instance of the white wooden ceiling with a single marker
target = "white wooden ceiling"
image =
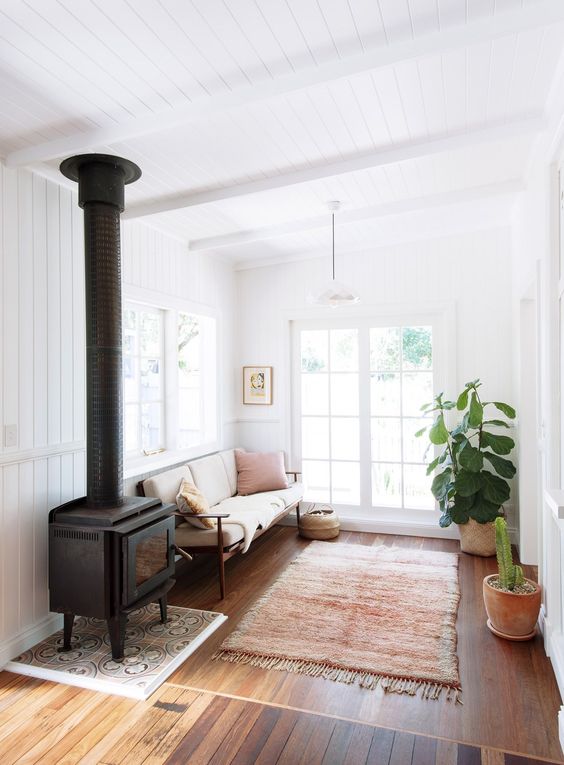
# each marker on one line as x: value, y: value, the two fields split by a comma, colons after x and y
x: 246, y: 116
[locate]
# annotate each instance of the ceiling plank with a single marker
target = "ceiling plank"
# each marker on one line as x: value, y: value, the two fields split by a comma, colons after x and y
x: 534, y: 15
x: 346, y: 217
x: 363, y: 161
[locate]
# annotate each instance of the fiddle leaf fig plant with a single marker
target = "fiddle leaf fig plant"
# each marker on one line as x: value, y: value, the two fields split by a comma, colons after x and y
x: 472, y: 482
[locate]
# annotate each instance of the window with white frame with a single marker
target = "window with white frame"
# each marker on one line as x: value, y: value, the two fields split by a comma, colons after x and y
x: 143, y: 379
x: 359, y: 396
x: 169, y: 378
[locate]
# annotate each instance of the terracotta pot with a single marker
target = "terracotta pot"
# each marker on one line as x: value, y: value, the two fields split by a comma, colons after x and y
x: 512, y: 615
x: 477, y: 538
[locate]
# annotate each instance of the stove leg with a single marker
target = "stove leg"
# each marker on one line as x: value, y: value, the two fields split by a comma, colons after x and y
x: 67, y: 633
x: 116, y: 628
x: 163, y: 607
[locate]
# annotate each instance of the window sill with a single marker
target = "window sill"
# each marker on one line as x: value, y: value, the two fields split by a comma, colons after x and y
x: 140, y: 466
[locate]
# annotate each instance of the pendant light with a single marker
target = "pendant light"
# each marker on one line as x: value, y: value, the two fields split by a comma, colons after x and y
x: 335, y: 293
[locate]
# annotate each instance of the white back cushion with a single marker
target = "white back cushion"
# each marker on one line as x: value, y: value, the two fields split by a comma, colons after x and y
x: 228, y: 457
x: 211, y: 479
x: 166, y: 485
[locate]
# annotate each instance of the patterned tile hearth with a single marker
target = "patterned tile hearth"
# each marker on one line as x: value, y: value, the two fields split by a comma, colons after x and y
x: 152, y: 651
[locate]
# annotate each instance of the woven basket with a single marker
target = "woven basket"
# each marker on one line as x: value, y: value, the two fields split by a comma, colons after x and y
x: 477, y: 538
x: 319, y: 522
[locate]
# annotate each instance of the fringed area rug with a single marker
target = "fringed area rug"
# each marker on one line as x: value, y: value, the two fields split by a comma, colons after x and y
x: 356, y: 614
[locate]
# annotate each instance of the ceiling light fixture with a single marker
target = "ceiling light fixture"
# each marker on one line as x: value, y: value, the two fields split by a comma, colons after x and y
x: 335, y: 293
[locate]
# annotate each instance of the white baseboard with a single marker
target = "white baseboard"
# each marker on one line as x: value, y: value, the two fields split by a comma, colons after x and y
x: 374, y: 526
x: 29, y: 637
x: 561, y: 727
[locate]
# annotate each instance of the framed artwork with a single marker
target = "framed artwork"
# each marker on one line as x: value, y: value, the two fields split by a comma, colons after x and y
x: 257, y: 385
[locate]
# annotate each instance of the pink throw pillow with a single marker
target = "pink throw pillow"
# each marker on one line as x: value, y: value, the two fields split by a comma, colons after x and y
x: 259, y: 472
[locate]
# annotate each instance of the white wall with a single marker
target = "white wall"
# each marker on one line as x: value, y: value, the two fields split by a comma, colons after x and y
x: 42, y: 363
x: 470, y: 271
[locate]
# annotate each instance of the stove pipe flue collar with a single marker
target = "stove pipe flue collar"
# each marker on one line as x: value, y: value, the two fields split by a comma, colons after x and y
x: 101, y: 179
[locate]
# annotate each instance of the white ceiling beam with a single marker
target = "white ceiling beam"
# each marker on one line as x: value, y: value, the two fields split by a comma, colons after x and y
x: 346, y: 217
x: 533, y: 15
x: 358, y: 162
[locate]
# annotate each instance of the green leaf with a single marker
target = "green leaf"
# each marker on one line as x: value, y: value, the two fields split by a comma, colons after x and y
x: 462, y: 401
x: 498, y: 444
x: 448, y: 405
x: 471, y: 458
x: 462, y: 426
x: 459, y: 514
x: 495, y: 489
x: 476, y: 412
x: 438, y: 433
x: 467, y: 483
x: 445, y: 520
x: 482, y: 510
x: 507, y: 410
x: 420, y: 432
x: 464, y: 503
x: 432, y: 465
x: 505, y: 468
x: 497, y: 423
x: 441, y: 484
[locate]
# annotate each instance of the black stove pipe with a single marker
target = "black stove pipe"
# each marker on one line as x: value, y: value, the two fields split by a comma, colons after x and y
x: 101, y: 180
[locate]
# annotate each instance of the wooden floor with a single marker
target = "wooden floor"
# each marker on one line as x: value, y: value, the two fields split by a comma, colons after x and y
x: 215, y: 712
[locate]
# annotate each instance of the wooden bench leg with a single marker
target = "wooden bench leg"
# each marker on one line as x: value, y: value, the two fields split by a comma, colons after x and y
x: 298, y: 514
x: 220, y: 559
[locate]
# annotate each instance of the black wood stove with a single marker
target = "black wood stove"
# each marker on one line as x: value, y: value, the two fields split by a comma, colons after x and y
x: 108, y: 554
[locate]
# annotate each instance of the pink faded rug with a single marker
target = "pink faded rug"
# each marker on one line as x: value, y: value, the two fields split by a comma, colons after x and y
x: 356, y: 614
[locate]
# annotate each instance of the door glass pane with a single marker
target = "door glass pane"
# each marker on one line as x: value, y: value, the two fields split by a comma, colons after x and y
x: 415, y: 449
x: 417, y: 488
x: 386, y: 485
x: 315, y: 475
x: 417, y: 348
x: 315, y: 437
x: 344, y: 350
x: 344, y: 438
x: 417, y: 390
x: 385, y: 393
x: 315, y: 394
x: 384, y: 348
x: 130, y: 379
x: 314, y: 350
x: 345, y: 483
x: 386, y: 438
x: 344, y: 394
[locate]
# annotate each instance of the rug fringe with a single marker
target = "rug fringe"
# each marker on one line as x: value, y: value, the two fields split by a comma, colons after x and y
x: 400, y: 685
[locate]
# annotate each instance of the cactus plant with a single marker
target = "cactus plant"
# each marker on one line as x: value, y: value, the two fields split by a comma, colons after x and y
x: 510, y: 575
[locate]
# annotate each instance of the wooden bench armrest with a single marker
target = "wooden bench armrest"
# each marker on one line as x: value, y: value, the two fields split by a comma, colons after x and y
x: 295, y: 473
x: 202, y: 515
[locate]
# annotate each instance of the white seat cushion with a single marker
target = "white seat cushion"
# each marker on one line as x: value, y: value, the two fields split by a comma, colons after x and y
x: 165, y: 485
x: 210, y: 477
x: 189, y: 536
x: 294, y: 493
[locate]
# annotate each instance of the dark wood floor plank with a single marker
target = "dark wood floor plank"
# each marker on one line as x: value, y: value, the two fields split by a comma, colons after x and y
x: 339, y: 744
x: 278, y: 737
x: 258, y: 735
x: 298, y: 740
x: 424, y: 751
x: 381, y: 747
x: 197, y: 732
x: 359, y: 746
x: 316, y: 747
x: 402, y: 749
x: 237, y: 736
x: 468, y: 755
x: 513, y: 759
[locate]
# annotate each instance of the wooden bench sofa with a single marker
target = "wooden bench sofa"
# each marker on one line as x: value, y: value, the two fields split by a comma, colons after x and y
x: 216, y: 477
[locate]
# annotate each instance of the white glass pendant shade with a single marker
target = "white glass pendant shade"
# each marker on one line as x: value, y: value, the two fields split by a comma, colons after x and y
x: 334, y: 293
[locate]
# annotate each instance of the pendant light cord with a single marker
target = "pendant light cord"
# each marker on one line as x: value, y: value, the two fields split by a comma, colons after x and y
x: 333, y: 232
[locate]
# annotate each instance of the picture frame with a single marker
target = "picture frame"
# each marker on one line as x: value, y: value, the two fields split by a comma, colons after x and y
x: 257, y: 385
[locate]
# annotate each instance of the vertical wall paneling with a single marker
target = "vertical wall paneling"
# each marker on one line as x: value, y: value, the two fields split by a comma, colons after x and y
x: 42, y: 359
